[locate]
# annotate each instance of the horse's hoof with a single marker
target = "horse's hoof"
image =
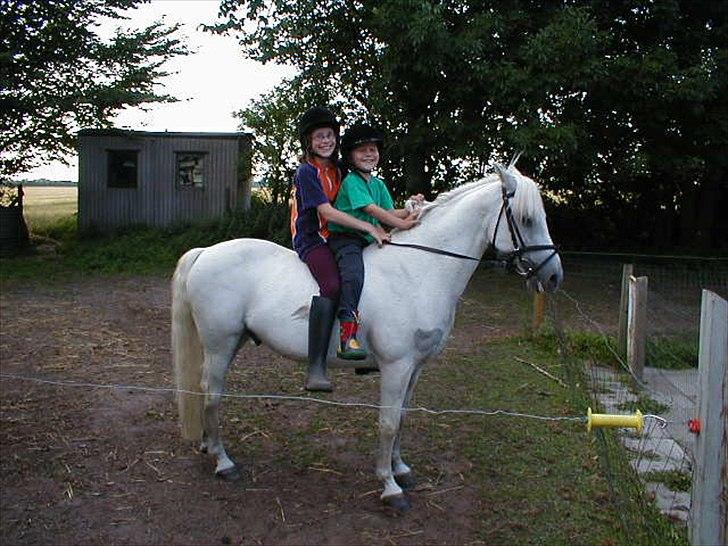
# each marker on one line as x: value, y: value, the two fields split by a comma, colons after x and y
x: 406, y: 481
x: 398, y: 503
x: 231, y: 474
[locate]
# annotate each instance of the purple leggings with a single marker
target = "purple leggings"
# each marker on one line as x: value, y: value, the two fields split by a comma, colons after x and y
x: 323, y: 266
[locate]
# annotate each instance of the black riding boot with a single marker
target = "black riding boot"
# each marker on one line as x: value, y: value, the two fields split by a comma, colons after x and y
x: 320, y: 322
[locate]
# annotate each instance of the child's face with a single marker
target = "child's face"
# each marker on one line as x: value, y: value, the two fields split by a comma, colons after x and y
x: 365, y: 157
x: 323, y: 141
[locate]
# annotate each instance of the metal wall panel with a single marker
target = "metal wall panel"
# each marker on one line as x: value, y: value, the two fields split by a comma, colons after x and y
x: 157, y: 200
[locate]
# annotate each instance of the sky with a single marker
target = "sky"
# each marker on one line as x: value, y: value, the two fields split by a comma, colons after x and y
x: 212, y: 82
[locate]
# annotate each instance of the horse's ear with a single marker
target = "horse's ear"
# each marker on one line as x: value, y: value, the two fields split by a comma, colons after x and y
x: 508, y: 178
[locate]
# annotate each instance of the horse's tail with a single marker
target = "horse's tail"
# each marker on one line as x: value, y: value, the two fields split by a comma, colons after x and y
x: 186, y: 351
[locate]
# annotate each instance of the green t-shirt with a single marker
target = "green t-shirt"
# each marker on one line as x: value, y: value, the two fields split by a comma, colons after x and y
x: 355, y: 194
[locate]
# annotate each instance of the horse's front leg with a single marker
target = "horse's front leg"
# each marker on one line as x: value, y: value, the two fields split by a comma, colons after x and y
x: 213, y: 382
x: 403, y: 474
x: 393, y: 389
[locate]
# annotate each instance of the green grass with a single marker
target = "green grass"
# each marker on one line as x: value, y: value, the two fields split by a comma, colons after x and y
x: 673, y: 479
x: 551, y: 473
x: 590, y: 346
x: 60, y: 251
x: 672, y: 352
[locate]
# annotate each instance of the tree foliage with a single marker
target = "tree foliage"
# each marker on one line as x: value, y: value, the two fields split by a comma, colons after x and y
x: 619, y: 105
x: 272, y: 118
x: 57, y: 74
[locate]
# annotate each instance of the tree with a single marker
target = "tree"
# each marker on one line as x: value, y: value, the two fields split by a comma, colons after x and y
x: 273, y: 119
x: 619, y: 104
x: 448, y: 81
x: 58, y: 75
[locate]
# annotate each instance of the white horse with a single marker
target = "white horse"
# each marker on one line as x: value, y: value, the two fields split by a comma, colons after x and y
x: 253, y: 289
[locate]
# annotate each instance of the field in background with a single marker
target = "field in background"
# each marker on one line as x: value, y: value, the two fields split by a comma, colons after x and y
x: 46, y: 206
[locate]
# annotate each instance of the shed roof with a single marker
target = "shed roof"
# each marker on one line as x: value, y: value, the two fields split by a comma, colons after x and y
x: 163, y: 134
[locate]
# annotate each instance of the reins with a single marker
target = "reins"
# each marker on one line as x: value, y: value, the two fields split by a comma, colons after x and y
x: 494, y: 257
x: 434, y: 250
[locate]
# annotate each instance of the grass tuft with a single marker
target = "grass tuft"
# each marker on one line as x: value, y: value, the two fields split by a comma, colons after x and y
x: 673, y: 479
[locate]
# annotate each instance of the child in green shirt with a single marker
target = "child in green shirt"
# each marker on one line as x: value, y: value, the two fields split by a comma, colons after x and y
x: 367, y: 198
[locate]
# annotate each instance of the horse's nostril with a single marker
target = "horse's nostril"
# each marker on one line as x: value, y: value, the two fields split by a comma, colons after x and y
x: 554, y: 282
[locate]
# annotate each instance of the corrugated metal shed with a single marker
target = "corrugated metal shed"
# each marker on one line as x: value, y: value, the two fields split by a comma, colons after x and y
x: 158, y: 179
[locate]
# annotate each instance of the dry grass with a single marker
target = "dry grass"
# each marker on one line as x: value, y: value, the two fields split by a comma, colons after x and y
x: 46, y: 205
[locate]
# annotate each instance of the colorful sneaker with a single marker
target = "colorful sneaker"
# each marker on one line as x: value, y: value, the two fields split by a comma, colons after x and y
x: 349, y: 347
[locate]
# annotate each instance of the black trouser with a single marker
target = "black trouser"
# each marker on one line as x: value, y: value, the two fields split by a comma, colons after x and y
x: 347, y: 250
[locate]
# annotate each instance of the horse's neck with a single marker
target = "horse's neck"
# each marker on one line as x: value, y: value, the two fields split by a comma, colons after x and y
x: 462, y: 227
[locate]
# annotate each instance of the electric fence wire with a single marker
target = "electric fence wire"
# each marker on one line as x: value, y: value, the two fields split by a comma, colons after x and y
x: 169, y: 390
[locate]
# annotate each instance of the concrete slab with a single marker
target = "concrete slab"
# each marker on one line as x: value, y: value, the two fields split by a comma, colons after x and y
x: 677, y: 389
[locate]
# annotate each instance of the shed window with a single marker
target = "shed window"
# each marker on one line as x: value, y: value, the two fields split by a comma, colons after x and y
x: 122, y: 168
x: 190, y: 169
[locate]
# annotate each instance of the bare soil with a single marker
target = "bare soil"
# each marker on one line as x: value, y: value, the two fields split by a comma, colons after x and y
x: 102, y: 463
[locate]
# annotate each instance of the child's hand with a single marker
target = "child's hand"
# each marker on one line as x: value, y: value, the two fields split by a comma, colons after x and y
x: 379, y: 235
x: 414, y: 204
x: 411, y: 221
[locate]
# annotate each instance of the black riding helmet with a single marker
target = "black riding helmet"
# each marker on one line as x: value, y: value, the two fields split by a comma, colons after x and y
x: 315, y: 118
x: 358, y: 134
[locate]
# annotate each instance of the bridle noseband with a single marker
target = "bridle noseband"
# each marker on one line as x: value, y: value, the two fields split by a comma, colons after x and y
x: 513, y: 260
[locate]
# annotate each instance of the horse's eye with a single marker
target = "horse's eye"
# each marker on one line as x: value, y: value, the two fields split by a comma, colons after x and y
x: 527, y: 221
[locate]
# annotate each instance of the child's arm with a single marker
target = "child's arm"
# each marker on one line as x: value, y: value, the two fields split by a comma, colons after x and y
x: 390, y: 217
x: 400, y: 213
x: 334, y: 215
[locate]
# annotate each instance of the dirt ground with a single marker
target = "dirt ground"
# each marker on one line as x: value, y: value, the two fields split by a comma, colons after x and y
x: 103, y: 463
x: 82, y: 465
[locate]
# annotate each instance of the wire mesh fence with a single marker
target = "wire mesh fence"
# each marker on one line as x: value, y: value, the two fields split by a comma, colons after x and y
x: 656, y: 462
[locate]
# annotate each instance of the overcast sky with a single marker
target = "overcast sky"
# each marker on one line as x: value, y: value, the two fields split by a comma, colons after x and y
x: 212, y: 82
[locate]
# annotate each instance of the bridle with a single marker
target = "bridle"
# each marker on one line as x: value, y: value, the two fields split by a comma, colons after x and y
x: 513, y: 260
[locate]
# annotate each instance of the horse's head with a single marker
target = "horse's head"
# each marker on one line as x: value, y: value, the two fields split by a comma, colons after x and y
x: 520, y: 234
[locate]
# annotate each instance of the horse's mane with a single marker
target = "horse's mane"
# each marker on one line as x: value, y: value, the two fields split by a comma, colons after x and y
x: 525, y: 203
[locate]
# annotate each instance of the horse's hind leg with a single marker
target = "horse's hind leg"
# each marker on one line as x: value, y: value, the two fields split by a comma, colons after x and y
x: 213, y: 382
x: 403, y: 474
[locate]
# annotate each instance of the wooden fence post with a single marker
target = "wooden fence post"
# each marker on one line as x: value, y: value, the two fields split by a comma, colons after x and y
x: 627, y: 272
x: 539, y: 304
x: 637, y: 325
x: 710, y: 472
